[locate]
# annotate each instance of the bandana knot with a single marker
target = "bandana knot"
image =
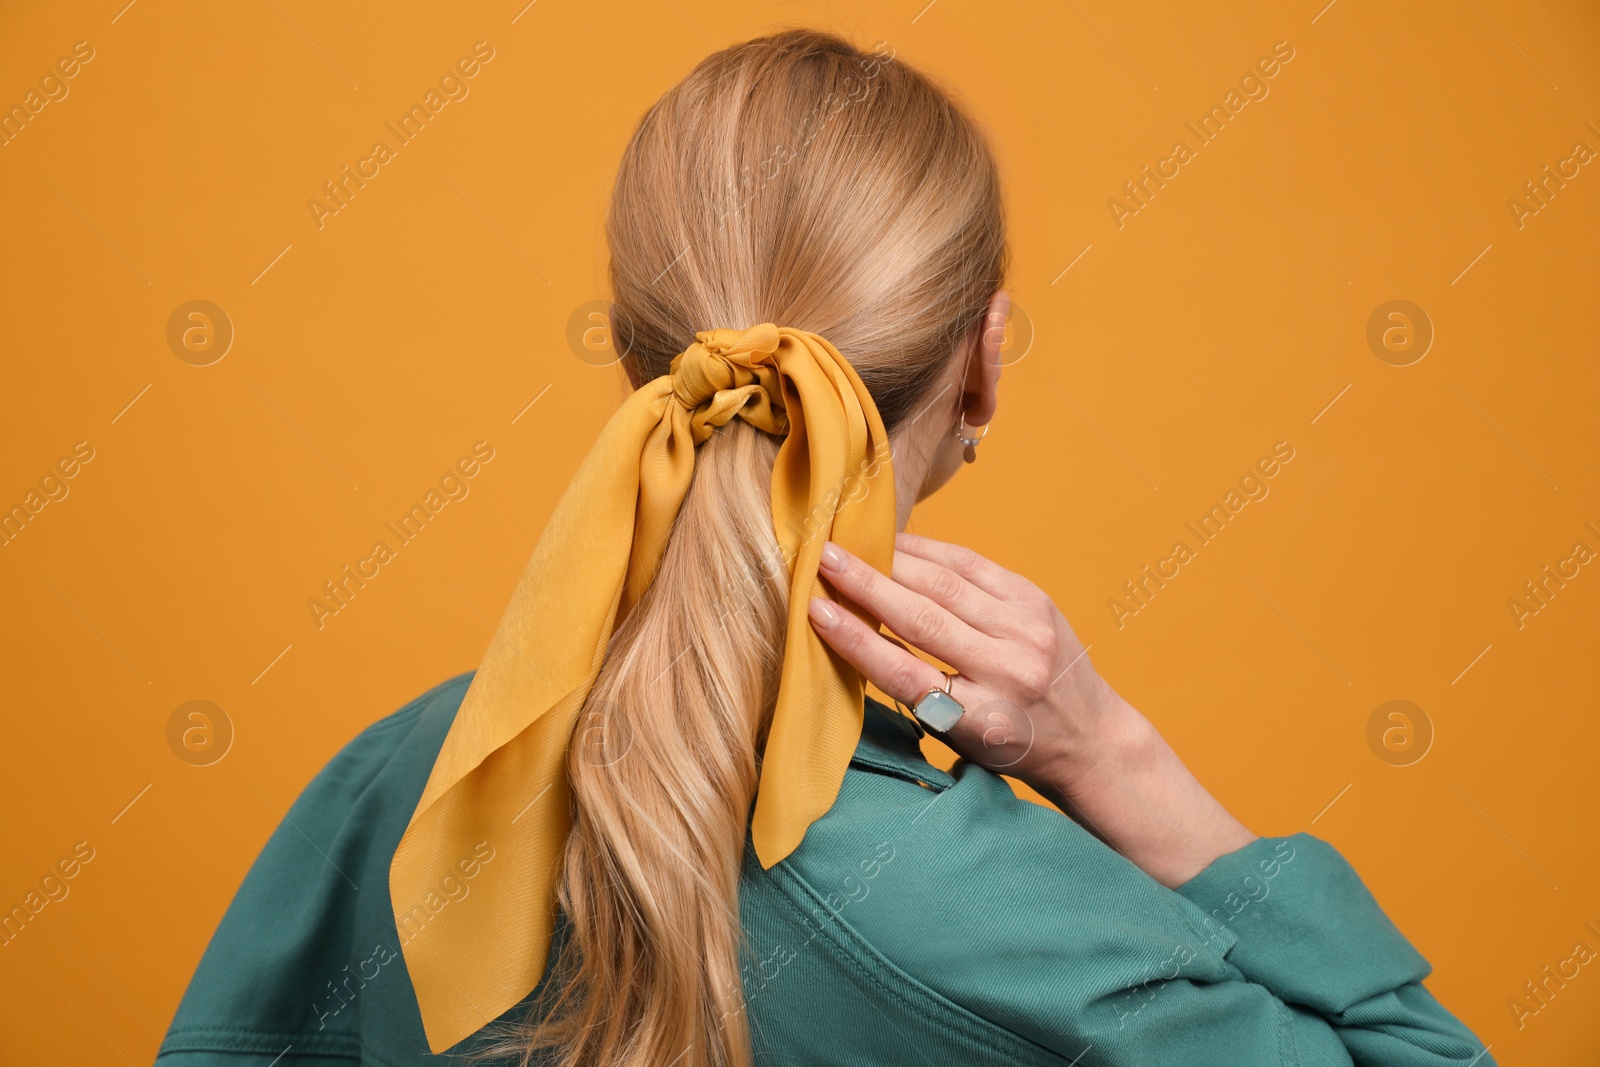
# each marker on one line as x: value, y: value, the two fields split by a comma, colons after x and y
x: 728, y: 374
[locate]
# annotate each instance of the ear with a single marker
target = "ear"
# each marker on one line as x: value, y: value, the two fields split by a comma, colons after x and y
x: 982, y: 389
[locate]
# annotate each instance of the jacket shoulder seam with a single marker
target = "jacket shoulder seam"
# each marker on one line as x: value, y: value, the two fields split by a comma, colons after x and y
x: 249, y: 1041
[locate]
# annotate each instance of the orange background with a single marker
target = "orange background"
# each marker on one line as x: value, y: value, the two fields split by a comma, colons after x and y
x: 1229, y: 313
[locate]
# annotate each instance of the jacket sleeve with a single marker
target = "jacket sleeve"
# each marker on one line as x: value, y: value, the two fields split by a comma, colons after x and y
x: 1275, y: 955
x: 1308, y: 933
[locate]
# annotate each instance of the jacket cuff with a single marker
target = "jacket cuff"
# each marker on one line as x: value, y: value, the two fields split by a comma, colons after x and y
x: 1307, y: 928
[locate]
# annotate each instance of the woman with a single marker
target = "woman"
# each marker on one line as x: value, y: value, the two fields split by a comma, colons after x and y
x: 662, y: 824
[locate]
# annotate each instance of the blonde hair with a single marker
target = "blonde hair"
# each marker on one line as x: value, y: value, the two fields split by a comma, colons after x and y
x: 793, y: 179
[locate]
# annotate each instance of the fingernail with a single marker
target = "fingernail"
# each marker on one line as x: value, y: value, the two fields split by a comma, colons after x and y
x: 832, y: 556
x: 822, y: 612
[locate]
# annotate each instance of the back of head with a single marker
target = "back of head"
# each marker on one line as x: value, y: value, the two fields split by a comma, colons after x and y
x: 795, y: 179
x: 792, y: 179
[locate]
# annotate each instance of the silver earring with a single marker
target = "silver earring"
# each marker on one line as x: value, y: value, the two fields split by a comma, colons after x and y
x: 970, y: 452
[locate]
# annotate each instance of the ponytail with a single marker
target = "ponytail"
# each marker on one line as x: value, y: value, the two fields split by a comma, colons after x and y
x: 874, y: 218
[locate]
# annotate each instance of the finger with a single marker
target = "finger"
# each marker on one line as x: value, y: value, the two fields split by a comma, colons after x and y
x: 913, y: 616
x: 948, y: 589
x: 883, y: 662
x: 893, y: 640
x: 983, y: 573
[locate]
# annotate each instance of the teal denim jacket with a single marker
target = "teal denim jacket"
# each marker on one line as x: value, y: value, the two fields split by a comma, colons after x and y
x: 930, y: 918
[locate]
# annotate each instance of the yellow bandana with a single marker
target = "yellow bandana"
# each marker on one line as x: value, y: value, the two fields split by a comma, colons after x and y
x: 501, y: 775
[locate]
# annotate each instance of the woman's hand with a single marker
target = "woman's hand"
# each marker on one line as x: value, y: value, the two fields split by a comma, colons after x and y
x: 1034, y: 706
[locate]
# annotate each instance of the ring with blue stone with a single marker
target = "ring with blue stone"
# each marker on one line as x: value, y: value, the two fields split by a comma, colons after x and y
x: 937, y: 709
